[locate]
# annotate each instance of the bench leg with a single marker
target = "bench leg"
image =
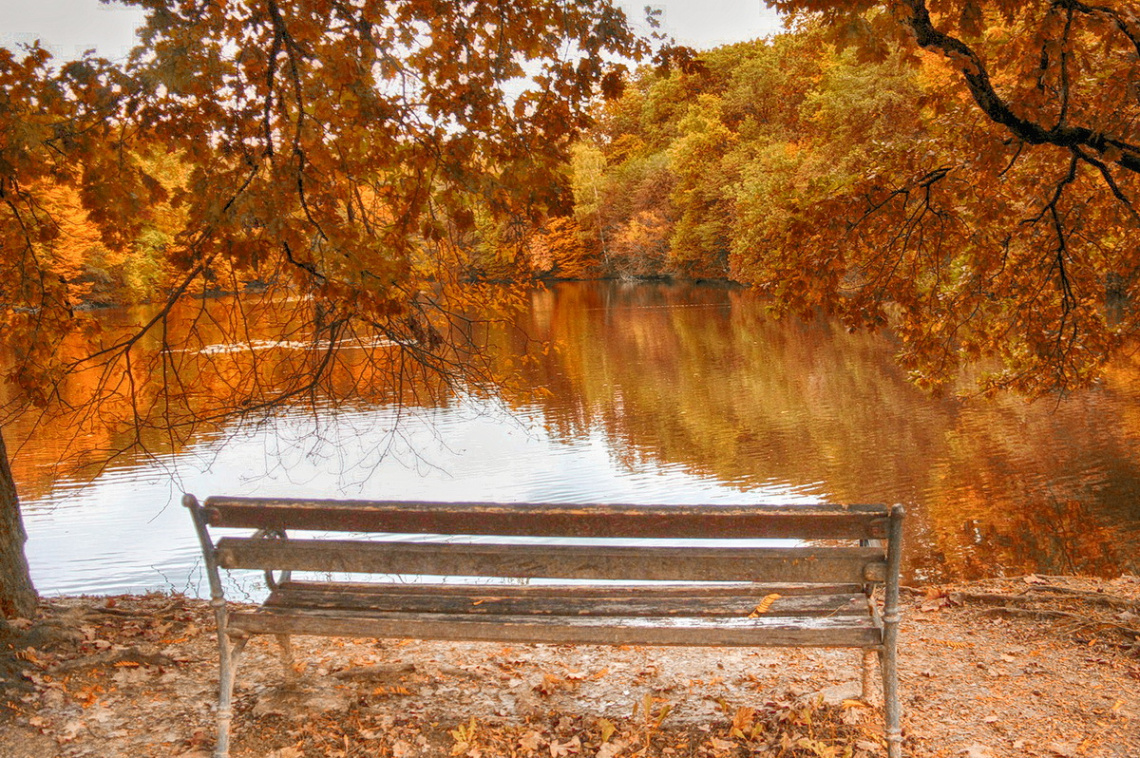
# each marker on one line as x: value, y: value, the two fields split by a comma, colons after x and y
x: 892, y: 710
x: 229, y: 653
x: 870, y: 660
x: 284, y: 642
x: 891, y: 619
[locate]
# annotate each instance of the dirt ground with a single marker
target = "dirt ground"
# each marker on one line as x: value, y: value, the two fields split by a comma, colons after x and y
x: 1033, y: 666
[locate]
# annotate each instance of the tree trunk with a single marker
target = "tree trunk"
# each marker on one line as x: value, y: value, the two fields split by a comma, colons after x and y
x: 17, y: 595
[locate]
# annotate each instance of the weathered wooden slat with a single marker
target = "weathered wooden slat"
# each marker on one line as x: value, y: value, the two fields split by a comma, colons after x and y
x: 852, y: 564
x: 660, y: 589
x: 563, y: 600
x: 785, y: 631
x: 548, y: 520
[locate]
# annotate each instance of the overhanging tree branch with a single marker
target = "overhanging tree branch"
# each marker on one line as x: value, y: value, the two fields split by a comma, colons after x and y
x: 1112, y: 148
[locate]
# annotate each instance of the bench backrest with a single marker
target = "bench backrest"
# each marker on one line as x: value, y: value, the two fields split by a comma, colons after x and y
x: 861, y: 542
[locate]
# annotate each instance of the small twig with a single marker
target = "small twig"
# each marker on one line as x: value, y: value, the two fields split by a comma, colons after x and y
x: 381, y: 671
x: 110, y: 658
x: 139, y: 613
x: 1022, y: 596
x: 1092, y: 597
x: 993, y: 598
x: 1081, y: 622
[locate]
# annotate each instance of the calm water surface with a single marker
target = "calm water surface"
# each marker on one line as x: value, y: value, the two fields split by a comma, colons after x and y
x: 669, y: 394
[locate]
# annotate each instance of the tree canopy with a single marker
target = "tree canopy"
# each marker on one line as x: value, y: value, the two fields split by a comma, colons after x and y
x: 965, y: 172
x: 1013, y: 229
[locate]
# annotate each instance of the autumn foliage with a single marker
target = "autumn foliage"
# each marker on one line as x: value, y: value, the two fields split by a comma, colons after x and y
x: 372, y: 173
x: 332, y: 157
x: 965, y: 174
x: 339, y: 152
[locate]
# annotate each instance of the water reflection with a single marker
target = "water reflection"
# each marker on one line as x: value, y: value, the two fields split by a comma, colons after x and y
x: 703, y: 378
x: 125, y: 532
x: 654, y: 394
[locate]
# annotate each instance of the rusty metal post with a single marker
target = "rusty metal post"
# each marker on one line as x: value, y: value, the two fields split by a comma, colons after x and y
x: 891, y: 617
x: 226, y: 691
x: 227, y: 651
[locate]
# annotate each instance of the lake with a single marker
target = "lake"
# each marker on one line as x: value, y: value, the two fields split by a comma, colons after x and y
x: 656, y: 393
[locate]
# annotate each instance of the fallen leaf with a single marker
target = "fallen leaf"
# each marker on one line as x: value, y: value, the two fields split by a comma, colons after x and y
x: 977, y: 751
x: 29, y: 655
x: 743, y: 718
x: 559, y: 749
x: 719, y: 745
x: 610, y: 750
x: 763, y: 606
x: 285, y: 752
x: 531, y: 741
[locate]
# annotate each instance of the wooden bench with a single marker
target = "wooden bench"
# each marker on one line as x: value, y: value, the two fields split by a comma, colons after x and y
x: 618, y: 574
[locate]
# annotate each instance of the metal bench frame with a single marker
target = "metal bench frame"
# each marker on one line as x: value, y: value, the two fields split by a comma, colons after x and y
x: 712, y: 591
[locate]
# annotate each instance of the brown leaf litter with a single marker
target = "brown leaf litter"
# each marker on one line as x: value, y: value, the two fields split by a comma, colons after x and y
x: 1032, y: 666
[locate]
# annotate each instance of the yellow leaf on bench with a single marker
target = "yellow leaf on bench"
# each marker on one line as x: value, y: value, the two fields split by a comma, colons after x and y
x: 764, y: 605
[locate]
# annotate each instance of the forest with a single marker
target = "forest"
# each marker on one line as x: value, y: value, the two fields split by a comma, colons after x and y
x: 824, y: 166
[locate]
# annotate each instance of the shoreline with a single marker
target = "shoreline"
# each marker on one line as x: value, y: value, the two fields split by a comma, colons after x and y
x: 1032, y: 666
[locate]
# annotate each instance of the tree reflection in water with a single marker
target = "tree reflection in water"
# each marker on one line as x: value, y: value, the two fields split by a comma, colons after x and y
x: 647, y: 392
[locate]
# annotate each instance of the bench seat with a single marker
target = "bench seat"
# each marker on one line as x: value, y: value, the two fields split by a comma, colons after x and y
x: 838, y: 616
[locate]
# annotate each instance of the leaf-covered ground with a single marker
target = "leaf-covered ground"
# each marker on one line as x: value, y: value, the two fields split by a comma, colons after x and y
x: 1034, y: 666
